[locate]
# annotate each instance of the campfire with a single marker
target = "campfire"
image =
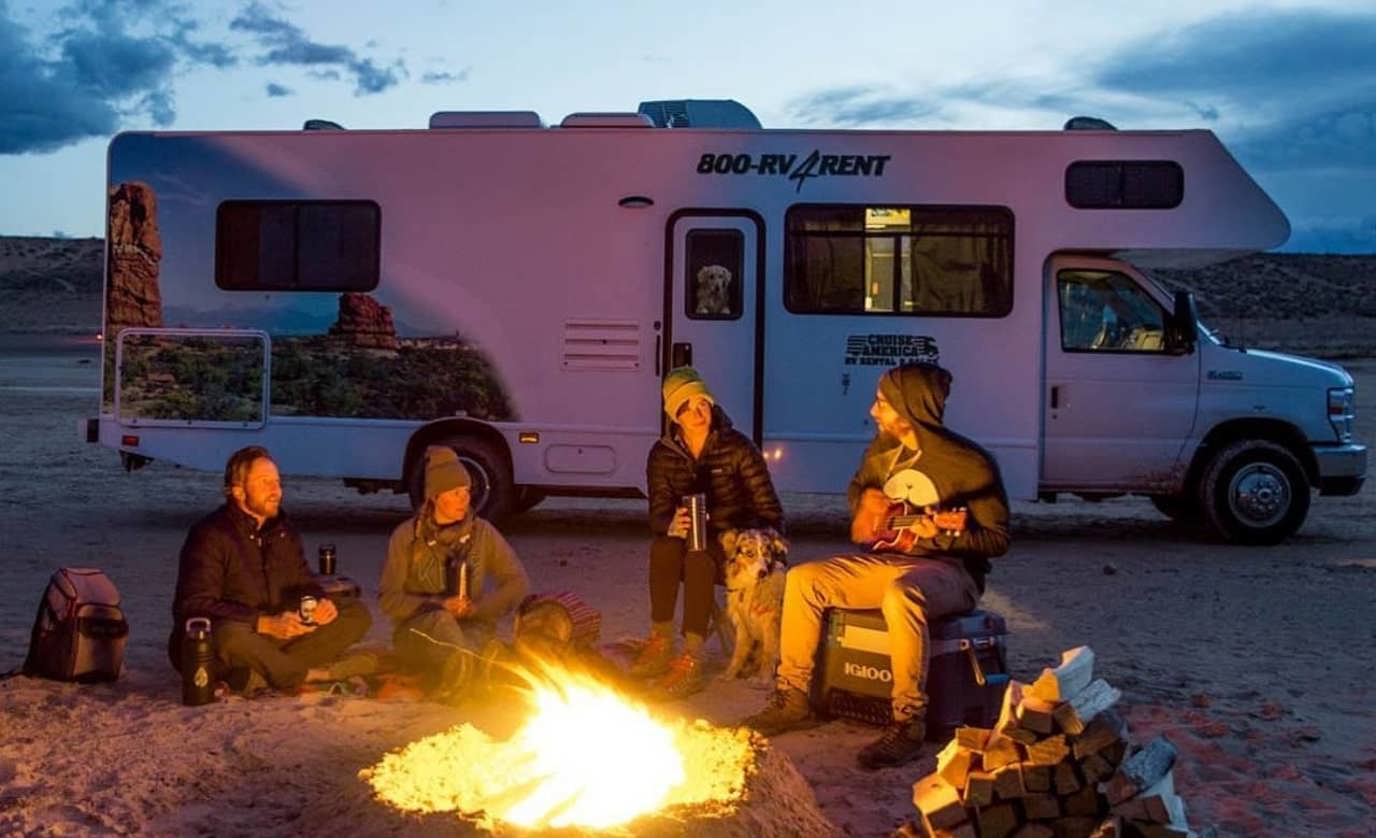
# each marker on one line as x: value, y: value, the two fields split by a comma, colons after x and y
x: 586, y: 758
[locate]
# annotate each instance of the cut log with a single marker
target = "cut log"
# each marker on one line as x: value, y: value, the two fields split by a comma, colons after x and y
x: 999, y: 751
x: 1158, y: 830
x: 1114, y: 753
x: 1066, y: 779
x: 1037, y: 715
x: 1158, y: 804
x: 1035, y: 778
x: 1109, y: 828
x: 1074, y: 827
x: 979, y: 789
x: 1106, y: 729
x: 1048, y: 751
x: 953, y: 764
x: 998, y: 821
x: 1067, y: 720
x: 1085, y: 707
x: 1095, y: 768
x: 971, y: 738
x: 939, y: 802
x: 1066, y: 681
x: 1141, y: 770
x: 1084, y: 803
x: 1041, y: 807
x: 1035, y: 830
x: 1008, y: 782
x: 964, y: 830
x: 1008, y: 724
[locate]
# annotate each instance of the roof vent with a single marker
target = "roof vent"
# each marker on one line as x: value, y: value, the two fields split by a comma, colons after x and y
x: 485, y: 119
x: 606, y: 120
x: 1087, y: 123
x: 700, y: 113
x: 321, y: 125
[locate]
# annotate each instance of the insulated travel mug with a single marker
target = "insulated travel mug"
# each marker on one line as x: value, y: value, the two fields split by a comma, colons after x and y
x: 198, y: 663
x: 697, y: 516
x: 327, y: 560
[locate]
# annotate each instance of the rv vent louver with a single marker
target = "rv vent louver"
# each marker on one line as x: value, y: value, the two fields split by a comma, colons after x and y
x: 601, y: 345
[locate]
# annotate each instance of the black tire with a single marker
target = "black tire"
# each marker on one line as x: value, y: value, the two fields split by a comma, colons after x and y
x: 1183, y: 509
x: 1254, y: 492
x: 494, y: 494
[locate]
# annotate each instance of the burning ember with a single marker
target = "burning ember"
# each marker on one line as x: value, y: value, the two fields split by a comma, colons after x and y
x: 586, y: 757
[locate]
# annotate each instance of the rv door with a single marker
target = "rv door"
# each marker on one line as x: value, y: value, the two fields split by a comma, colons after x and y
x: 1120, y: 393
x: 712, y: 306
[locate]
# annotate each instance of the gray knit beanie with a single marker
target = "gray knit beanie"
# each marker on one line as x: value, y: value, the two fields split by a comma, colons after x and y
x: 443, y: 471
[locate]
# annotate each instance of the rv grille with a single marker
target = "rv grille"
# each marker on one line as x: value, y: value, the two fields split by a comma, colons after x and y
x: 601, y: 345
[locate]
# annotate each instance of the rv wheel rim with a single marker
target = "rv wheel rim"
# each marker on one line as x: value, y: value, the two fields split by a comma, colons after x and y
x: 482, y: 481
x: 1259, y: 494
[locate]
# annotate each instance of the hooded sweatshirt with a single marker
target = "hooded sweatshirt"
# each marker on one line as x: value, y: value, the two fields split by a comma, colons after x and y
x: 961, y: 473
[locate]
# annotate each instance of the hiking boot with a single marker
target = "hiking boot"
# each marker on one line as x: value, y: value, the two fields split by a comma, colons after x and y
x: 683, y: 678
x: 654, y: 658
x: 353, y: 665
x: 787, y: 710
x: 901, y: 742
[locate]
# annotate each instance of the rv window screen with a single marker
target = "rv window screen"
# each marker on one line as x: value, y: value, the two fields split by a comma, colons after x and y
x: 297, y: 245
x: 715, y: 259
x: 1124, y: 184
x: 931, y: 261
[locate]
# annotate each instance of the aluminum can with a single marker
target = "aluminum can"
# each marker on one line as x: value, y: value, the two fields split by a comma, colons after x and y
x: 697, y: 518
x: 307, y: 611
x: 327, y: 560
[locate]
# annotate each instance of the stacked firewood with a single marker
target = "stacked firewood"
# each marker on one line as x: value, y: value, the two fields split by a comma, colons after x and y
x: 1058, y: 764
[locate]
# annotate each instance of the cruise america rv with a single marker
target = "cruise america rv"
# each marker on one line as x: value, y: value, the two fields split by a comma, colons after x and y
x: 518, y: 291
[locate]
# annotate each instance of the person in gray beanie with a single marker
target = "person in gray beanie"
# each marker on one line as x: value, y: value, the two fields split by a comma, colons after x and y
x: 449, y: 576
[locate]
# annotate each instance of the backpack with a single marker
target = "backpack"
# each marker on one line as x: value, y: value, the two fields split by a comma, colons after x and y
x: 80, y: 631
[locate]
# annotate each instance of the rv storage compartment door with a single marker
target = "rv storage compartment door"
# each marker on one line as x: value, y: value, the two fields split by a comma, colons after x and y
x: 191, y: 377
x: 714, y: 306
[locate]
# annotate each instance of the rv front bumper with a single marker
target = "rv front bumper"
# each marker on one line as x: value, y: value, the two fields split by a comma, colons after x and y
x: 1342, y: 468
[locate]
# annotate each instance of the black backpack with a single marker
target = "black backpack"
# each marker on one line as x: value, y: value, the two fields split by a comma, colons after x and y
x: 80, y: 631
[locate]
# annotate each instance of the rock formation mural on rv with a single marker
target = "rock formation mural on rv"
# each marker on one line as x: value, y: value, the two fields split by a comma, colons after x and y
x: 358, y: 368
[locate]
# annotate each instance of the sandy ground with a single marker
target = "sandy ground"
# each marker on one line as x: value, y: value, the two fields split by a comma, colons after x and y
x: 1257, y: 662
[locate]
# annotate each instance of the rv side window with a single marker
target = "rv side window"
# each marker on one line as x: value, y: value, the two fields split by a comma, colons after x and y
x: 1124, y: 184
x: 297, y: 245
x: 1105, y: 311
x: 714, y: 262
x: 931, y: 261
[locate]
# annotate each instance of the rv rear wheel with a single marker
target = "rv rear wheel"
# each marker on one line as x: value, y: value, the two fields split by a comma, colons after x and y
x: 492, y: 490
x: 1254, y: 492
x: 527, y: 498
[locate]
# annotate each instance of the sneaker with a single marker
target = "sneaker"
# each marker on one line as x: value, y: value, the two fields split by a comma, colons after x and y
x: 787, y: 710
x: 901, y: 742
x: 654, y: 658
x: 683, y: 678
x: 353, y: 665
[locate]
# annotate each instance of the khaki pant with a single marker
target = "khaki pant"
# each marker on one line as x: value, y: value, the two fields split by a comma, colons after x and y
x: 909, y: 590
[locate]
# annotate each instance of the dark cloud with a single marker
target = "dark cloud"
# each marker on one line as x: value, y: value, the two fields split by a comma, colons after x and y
x: 857, y: 106
x: 287, y: 44
x: 40, y: 108
x: 276, y: 90
x: 444, y: 76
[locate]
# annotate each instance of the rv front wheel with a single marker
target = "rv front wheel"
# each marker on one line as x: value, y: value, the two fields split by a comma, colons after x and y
x: 1254, y: 492
x: 492, y: 491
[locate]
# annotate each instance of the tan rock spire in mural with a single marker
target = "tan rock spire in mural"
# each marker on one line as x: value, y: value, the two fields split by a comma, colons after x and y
x: 365, y: 322
x: 133, y: 297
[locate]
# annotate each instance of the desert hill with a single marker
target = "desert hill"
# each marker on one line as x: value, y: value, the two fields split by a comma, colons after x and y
x: 1318, y: 304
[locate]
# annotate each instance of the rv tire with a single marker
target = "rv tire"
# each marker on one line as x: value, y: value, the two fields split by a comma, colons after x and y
x: 527, y: 498
x: 1254, y: 491
x: 494, y: 495
x: 1182, y: 508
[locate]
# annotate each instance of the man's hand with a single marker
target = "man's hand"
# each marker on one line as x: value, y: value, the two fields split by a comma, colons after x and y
x: 458, y: 606
x: 678, y: 528
x: 325, y: 612
x: 869, y: 516
x: 284, y: 626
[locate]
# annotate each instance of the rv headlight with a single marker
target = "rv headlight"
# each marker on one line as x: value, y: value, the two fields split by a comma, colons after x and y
x: 1342, y: 410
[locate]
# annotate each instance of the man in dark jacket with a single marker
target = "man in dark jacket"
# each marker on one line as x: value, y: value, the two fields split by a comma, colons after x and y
x: 243, y: 567
x: 701, y: 453
x: 934, y: 568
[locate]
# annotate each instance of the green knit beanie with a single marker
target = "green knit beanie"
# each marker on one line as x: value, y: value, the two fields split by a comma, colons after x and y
x: 680, y: 385
x: 443, y: 471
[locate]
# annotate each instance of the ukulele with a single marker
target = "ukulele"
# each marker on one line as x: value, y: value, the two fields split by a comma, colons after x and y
x: 898, y: 532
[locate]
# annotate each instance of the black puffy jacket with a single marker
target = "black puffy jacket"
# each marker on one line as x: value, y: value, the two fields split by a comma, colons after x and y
x: 730, y: 471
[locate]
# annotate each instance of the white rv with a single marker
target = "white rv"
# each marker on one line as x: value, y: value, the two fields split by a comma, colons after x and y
x: 517, y: 291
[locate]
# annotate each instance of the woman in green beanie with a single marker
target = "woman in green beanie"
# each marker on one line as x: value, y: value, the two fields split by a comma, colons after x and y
x: 700, y: 453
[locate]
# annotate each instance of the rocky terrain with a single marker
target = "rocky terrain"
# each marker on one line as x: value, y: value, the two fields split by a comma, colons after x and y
x: 1310, y: 303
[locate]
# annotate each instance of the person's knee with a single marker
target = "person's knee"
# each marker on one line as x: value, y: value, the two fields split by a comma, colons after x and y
x: 355, y: 614
x: 901, y: 599
x: 699, y: 562
x: 667, y: 549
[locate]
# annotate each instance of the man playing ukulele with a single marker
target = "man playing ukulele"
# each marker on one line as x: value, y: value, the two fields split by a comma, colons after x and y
x: 930, y: 508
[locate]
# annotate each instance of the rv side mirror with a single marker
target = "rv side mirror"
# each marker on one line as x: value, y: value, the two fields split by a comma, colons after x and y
x: 1184, y: 326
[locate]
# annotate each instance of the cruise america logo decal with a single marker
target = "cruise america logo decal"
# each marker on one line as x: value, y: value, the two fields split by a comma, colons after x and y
x: 790, y: 166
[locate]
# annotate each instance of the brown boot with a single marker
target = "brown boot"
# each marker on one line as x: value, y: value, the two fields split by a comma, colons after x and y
x: 787, y: 710
x: 900, y: 743
x: 683, y: 678
x: 653, y: 660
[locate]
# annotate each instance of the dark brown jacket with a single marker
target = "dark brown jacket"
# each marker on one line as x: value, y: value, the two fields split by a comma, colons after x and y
x: 730, y: 471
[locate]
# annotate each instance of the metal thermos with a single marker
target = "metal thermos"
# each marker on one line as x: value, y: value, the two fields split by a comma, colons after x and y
x: 327, y: 560
x: 697, y: 518
x: 198, y: 663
